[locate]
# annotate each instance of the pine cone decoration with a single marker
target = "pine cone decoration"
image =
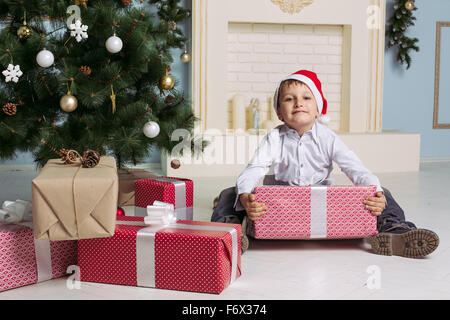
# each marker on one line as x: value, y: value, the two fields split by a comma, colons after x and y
x: 91, y: 158
x: 85, y: 70
x: 10, y: 109
x: 172, y: 25
x: 169, y: 99
x: 68, y: 156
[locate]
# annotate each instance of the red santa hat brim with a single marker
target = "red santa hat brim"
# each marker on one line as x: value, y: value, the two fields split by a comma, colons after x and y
x: 309, y: 78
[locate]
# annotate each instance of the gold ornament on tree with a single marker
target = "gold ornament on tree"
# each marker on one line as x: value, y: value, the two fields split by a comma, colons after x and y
x: 10, y: 109
x: 68, y: 102
x: 185, y: 57
x: 113, y: 100
x: 409, y: 5
x: 167, y: 82
x: 24, y: 31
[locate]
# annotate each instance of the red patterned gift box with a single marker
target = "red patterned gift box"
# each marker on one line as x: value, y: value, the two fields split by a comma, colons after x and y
x: 318, y: 212
x: 187, y: 255
x: 25, y: 260
x: 176, y: 191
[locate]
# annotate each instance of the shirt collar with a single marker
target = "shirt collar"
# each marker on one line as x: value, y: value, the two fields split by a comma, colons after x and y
x: 285, y: 129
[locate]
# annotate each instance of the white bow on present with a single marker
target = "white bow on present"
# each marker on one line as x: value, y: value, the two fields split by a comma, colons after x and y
x: 16, y: 211
x: 160, y: 213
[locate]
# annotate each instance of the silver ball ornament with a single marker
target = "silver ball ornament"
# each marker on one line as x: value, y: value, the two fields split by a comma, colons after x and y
x: 151, y: 129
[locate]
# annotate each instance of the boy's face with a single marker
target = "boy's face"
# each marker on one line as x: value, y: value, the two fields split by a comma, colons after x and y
x: 297, y: 105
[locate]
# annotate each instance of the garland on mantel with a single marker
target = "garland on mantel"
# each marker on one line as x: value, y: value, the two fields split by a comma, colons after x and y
x: 401, y: 19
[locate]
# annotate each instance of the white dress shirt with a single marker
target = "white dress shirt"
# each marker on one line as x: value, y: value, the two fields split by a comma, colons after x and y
x: 303, y: 161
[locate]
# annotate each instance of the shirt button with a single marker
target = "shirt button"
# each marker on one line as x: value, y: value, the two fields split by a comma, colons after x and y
x: 300, y: 143
x: 301, y: 166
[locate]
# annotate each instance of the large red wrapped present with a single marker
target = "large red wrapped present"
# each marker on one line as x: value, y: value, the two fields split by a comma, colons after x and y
x: 176, y: 191
x: 318, y: 212
x: 186, y: 255
x: 25, y: 260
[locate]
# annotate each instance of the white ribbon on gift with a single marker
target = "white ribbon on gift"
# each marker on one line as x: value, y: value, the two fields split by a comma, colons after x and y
x: 318, y: 212
x: 145, y: 248
x: 160, y: 213
x: 43, y: 256
x: 15, y: 211
x: 180, y: 210
x: 19, y: 212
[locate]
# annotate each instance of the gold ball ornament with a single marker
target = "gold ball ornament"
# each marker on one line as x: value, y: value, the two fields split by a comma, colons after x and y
x: 24, y: 31
x: 185, y: 57
x: 409, y: 5
x: 167, y: 82
x: 68, y: 103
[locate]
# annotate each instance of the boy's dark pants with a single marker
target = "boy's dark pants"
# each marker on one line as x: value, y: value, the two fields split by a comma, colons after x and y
x: 224, y: 211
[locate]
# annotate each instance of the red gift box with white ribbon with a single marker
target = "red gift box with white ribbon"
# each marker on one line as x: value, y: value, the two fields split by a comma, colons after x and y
x: 25, y: 260
x: 176, y: 191
x: 317, y: 212
x: 186, y: 256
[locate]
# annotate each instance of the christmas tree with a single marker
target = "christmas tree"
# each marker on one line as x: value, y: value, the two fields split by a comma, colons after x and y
x: 90, y: 74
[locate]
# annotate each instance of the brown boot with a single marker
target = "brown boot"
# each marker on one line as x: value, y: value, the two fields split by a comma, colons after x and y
x: 413, y: 243
x: 244, y: 237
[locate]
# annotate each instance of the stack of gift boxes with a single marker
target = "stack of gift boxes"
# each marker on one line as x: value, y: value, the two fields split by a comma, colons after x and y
x: 75, y: 222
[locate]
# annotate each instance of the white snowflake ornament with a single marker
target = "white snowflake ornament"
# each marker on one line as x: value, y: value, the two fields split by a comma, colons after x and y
x: 79, y: 31
x: 13, y: 73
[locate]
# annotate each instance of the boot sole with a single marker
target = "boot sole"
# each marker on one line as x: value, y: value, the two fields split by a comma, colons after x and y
x: 416, y: 243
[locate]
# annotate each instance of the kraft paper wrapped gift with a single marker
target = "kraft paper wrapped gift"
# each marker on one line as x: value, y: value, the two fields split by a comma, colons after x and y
x: 127, y: 179
x: 71, y: 202
x: 187, y: 255
x: 318, y: 212
x: 176, y: 191
x: 25, y: 260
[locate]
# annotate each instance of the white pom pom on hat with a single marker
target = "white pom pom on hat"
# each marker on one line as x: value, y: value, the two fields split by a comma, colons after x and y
x: 312, y: 81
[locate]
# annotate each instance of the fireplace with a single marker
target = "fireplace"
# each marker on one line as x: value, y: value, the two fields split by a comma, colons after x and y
x: 245, y: 47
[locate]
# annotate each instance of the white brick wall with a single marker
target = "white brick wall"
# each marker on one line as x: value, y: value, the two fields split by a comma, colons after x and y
x: 259, y: 55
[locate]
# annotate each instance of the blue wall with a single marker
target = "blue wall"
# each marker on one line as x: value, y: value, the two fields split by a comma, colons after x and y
x: 409, y: 94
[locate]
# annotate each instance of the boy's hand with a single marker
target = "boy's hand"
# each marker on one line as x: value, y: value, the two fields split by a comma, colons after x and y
x: 254, y: 209
x: 376, y: 204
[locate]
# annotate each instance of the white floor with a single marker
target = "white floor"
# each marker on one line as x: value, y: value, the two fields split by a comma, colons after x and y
x: 297, y: 269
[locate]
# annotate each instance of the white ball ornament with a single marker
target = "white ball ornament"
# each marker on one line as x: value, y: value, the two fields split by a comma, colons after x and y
x: 45, y: 58
x: 114, y: 44
x: 151, y: 129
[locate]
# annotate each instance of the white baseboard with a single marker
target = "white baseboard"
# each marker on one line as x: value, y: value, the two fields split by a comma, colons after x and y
x: 431, y: 160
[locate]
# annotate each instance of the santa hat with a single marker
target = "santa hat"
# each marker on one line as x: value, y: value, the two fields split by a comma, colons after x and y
x: 310, y: 79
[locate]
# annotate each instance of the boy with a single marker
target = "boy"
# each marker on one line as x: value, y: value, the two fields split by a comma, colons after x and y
x: 301, y: 152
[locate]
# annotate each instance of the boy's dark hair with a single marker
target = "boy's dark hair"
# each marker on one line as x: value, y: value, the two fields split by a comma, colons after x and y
x: 287, y: 83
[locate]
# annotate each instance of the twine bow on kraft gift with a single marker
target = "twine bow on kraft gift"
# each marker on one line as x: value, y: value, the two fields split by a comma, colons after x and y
x: 90, y: 158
